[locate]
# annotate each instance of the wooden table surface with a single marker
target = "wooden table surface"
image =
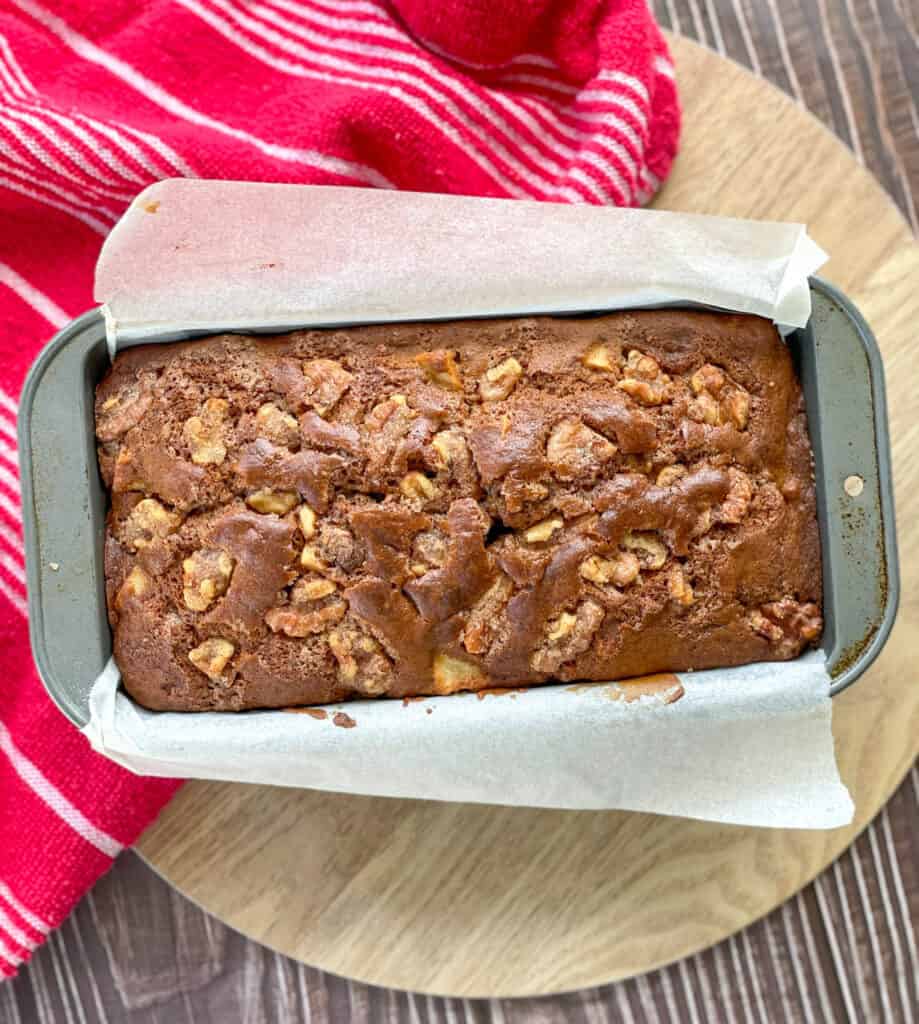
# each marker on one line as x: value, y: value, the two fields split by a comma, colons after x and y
x: 844, y: 948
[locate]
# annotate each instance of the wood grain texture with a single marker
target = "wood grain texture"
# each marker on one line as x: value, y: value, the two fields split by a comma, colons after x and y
x: 844, y: 948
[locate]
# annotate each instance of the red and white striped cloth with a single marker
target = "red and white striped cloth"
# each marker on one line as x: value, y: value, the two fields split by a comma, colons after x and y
x: 564, y: 100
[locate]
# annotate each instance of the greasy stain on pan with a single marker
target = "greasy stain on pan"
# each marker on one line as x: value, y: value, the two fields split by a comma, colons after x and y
x: 64, y: 503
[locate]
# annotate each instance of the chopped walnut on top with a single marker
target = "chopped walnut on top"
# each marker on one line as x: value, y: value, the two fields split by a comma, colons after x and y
x: 149, y: 521
x: 271, y: 502
x: 620, y: 571
x: 212, y: 657
x: 362, y: 663
x: 440, y: 367
x: 204, y: 433
x: 567, y: 636
x: 386, y: 425
x: 307, y: 520
x: 736, y: 505
x: 328, y: 381
x: 205, y: 577
x: 669, y: 475
x: 542, y: 531
x: 648, y: 547
x: 787, y: 624
x: 417, y: 486
x: 279, y: 427
x: 643, y: 380
x: 450, y: 447
x: 680, y: 589
x: 137, y: 584
x: 500, y: 380
x: 718, y: 399
x: 118, y: 413
x: 598, y: 357
x: 573, y: 449
x: 308, y: 612
x: 453, y: 674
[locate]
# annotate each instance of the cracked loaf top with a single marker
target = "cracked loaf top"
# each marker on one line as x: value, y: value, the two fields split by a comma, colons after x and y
x: 424, y: 508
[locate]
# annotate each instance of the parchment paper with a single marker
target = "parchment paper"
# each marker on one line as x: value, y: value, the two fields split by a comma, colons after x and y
x: 751, y: 745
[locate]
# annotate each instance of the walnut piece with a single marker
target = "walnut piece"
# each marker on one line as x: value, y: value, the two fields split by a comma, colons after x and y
x: 736, y: 505
x: 452, y: 674
x: 450, y: 446
x: 704, y: 409
x: 310, y: 559
x: 270, y: 502
x: 149, y: 521
x: 597, y: 357
x: 386, y: 425
x: 204, y: 433
x: 500, y: 380
x: 573, y: 449
x: 680, y: 590
x: 670, y: 474
x: 542, y: 531
x: 718, y: 399
x: 647, y: 392
x: 567, y: 636
x: 651, y: 550
x: 766, y: 627
x: 137, y: 584
x: 212, y: 657
x: 307, y: 518
x: 478, y: 633
x: 639, y: 365
x: 561, y: 627
x: 707, y: 378
x: 279, y: 427
x: 796, y: 621
x: 737, y: 407
x: 311, y: 589
x: 703, y: 523
x: 417, y: 485
x: 328, y: 381
x: 361, y: 661
x: 440, y: 368
x: 299, y: 623
x: 119, y: 413
x: 205, y: 577
x: 619, y: 571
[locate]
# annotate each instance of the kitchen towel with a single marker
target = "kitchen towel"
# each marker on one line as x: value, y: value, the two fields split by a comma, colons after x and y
x: 543, y: 99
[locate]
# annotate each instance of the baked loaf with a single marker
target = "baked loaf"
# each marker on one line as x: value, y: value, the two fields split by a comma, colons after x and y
x: 425, y: 508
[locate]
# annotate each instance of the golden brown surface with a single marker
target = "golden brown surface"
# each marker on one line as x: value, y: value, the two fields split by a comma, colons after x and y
x: 410, y: 509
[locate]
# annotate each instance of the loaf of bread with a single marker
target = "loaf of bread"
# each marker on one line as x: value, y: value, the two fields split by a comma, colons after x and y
x: 410, y: 509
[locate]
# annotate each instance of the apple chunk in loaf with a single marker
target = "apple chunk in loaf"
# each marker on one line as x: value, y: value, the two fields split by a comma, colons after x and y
x: 426, y: 508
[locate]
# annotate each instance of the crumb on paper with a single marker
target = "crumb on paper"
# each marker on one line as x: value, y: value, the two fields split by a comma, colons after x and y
x: 662, y: 688
x: 151, y: 206
x: 500, y: 691
x: 343, y: 720
x: 318, y: 713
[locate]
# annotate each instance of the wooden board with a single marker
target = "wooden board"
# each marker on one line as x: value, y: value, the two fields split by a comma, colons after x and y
x: 475, y: 901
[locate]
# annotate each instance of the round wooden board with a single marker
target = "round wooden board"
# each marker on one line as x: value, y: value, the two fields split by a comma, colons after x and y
x: 466, y: 900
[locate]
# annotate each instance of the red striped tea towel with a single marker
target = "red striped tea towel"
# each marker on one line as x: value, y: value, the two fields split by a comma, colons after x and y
x: 564, y: 100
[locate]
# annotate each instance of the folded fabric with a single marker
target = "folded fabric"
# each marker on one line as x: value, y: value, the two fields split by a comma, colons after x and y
x: 561, y: 101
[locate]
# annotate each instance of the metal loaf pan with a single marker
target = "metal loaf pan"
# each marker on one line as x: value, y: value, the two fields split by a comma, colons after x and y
x: 64, y: 504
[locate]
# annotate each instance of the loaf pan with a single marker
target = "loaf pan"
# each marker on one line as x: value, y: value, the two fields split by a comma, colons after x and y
x: 64, y: 503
